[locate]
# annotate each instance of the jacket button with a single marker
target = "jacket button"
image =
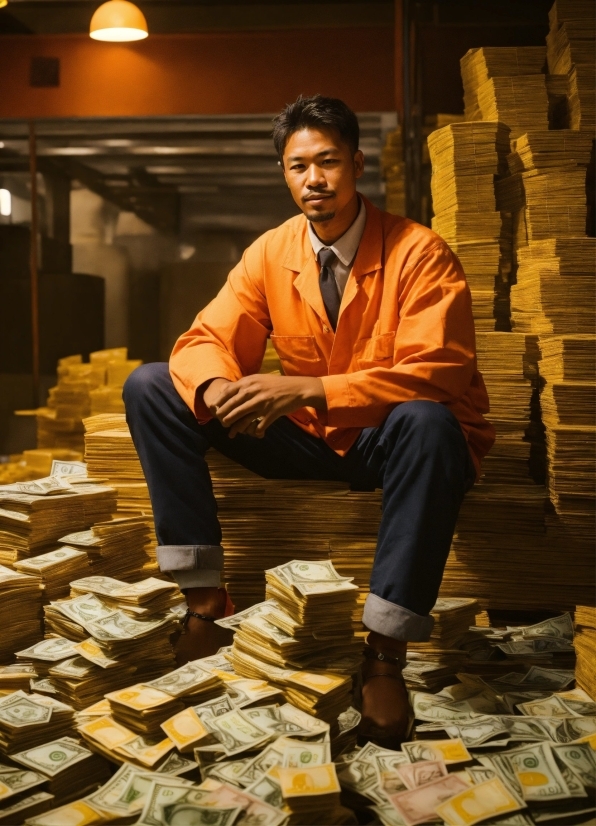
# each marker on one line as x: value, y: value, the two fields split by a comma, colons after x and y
x: 325, y: 328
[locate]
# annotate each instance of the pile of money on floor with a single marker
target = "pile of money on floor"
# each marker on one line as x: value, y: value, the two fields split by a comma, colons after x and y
x: 97, y: 725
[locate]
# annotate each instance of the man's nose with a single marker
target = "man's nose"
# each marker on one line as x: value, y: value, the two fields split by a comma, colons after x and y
x: 314, y: 176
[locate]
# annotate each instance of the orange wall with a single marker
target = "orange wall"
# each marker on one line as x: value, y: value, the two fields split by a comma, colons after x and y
x: 215, y: 73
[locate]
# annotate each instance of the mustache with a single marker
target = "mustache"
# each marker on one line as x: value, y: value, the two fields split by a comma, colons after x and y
x: 317, y: 193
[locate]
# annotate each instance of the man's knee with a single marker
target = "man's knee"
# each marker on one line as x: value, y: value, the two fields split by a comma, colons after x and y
x: 431, y: 421
x: 145, y: 382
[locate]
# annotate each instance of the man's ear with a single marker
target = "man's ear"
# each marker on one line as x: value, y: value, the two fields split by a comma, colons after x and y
x: 358, y: 164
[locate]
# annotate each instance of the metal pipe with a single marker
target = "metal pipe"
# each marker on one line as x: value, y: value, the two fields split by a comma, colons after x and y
x: 33, y: 264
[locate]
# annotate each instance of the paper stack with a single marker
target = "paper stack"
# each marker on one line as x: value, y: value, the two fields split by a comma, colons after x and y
x: 20, y: 611
x: 34, y: 515
x: 585, y: 648
x: 34, y: 464
x: 82, y: 389
x: 117, y: 548
x: 570, y: 47
x: 547, y: 190
x: 393, y: 169
x: 117, y: 640
x: 479, y: 65
x: 556, y: 287
x: 466, y: 159
x: 29, y: 720
x: 56, y: 569
x: 110, y: 454
x: 290, y: 644
x: 71, y: 769
x: 567, y: 368
x: 278, y: 520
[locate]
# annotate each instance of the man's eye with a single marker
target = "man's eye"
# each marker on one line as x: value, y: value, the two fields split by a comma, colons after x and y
x: 297, y: 167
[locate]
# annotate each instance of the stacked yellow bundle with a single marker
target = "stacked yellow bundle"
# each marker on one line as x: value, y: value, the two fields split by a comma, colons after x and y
x: 466, y: 158
x: 585, y: 648
x: 570, y: 47
x: 82, y: 389
x: 110, y: 454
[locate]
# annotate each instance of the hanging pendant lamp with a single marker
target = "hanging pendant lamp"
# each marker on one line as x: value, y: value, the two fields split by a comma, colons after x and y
x: 3, y: 3
x: 118, y: 21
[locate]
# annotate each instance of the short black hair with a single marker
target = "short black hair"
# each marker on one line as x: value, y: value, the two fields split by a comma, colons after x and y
x: 315, y: 112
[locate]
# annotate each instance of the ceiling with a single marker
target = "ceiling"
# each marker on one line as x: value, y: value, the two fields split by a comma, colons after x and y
x: 180, y: 173
x: 177, y: 16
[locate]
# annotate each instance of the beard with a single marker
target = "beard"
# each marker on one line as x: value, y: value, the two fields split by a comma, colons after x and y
x: 319, y: 217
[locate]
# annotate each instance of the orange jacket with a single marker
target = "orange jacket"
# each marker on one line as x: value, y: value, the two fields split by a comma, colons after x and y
x: 405, y: 330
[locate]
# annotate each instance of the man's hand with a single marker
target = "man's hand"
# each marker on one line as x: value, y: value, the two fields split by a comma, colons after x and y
x: 251, y: 404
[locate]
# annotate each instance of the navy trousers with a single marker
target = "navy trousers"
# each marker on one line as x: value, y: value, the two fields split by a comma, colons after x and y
x: 418, y: 456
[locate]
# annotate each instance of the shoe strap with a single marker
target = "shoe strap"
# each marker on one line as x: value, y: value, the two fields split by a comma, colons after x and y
x: 371, y: 654
x: 194, y: 614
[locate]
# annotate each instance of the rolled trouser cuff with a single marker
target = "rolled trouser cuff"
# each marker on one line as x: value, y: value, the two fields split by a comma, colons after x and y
x: 192, y: 566
x: 392, y: 620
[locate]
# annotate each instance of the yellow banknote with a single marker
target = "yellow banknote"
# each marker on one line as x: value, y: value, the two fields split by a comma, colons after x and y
x: 107, y: 732
x: 488, y: 799
x: 311, y: 781
x: 185, y: 729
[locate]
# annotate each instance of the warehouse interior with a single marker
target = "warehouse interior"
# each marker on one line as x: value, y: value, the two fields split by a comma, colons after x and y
x: 133, y: 175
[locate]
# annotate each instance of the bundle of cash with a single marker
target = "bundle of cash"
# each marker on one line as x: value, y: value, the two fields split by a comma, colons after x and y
x: 82, y: 389
x: 28, y: 720
x: 20, y: 611
x: 142, y: 708
x: 335, y: 523
x: 146, y: 598
x: 56, y: 570
x: 118, y: 548
x: 15, y: 677
x: 34, y: 515
x: 72, y: 769
x: 25, y: 805
x: 585, y: 647
x: 112, y: 647
x: 282, y: 639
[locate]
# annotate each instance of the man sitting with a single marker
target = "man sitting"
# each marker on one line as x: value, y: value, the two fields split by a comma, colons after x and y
x: 371, y: 317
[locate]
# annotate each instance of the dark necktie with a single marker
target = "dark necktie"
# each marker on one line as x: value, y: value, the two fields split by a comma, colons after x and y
x: 328, y: 284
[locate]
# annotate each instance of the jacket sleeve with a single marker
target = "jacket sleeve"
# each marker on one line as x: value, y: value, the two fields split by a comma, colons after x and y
x: 228, y: 338
x: 434, y: 355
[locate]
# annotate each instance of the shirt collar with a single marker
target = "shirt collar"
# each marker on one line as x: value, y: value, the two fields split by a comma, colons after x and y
x: 345, y: 247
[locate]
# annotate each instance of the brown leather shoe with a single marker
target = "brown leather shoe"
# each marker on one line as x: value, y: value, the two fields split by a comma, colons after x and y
x: 201, y: 637
x: 387, y: 716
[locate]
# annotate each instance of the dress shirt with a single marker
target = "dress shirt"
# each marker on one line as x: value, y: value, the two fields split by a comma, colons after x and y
x: 345, y: 248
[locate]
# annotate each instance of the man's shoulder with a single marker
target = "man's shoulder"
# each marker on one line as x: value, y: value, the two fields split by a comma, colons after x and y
x: 408, y: 239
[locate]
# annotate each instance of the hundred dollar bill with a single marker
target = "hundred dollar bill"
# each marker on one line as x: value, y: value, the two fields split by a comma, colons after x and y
x: 537, y: 773
x: 60, y: 468
x: 296, y: 753
x: 53, y: 757
x: 16, y: 782
x: 163, y: 792
x: 580, y: 758
x: 52, y: 650
x: 556, y: 627
x: 254, y: 611
x: 183, y: 680
x: 449, y: 751
x: 18, y: 709
x: 198, y: 815
x: 237, y: 732
x: 267, y: 788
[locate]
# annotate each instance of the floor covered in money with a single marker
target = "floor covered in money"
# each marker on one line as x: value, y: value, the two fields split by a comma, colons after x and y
x: 98, y: 726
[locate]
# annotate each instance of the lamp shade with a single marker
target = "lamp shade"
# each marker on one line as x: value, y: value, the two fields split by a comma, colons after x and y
x: 3, y: 3
x: 118, y: 21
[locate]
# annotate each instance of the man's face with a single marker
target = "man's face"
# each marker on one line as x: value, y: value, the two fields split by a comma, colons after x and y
x: 321, y: 171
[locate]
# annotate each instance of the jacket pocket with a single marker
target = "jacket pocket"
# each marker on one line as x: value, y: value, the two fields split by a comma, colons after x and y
x: 297, y: 354
x: 377, y: 351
